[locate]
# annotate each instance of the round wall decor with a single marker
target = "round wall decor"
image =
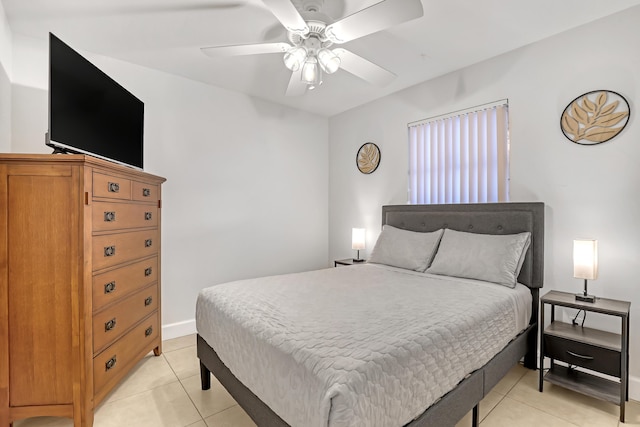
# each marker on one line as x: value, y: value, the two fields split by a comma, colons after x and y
x: 368, y: 158
x: 595, y: 117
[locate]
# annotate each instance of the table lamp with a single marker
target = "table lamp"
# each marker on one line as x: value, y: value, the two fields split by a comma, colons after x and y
x: 585, y: 265
x: 357, y: 241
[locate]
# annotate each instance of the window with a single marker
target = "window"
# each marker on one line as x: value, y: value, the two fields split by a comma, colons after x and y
x: 462, y: 157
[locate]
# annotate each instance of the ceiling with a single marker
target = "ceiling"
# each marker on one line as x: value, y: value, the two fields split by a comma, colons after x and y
x: 167, y: 35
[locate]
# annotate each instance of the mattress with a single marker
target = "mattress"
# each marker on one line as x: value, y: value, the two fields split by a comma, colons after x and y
x: 365, y: 345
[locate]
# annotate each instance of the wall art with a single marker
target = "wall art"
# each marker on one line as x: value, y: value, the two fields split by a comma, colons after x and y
x: 595, y: 117
x: 368, y: 158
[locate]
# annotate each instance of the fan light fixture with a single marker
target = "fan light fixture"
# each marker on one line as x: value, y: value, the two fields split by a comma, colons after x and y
x: 310, y: 52
x: 295, y: 57
x: 311, y: 73
x: 312, y: 35
x: 329, y: 61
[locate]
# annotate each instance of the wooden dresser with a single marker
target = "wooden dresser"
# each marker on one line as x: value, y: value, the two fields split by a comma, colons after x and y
x: 79, y: 281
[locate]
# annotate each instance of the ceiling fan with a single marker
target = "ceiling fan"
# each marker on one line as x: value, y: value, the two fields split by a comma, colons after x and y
x: 312, y: 36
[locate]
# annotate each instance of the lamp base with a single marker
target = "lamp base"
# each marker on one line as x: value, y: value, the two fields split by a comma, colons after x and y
x: 585, y: 298
x: 358, y: 260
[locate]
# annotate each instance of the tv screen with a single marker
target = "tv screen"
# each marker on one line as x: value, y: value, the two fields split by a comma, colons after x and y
x: 89, y: 112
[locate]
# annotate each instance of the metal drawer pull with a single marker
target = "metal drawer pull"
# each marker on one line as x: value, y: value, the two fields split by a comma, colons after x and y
x: 148, y: 243
x: 148, y: 331
x: 109, y: 250
x: 110, y: 325
x: 147, y: 272
x: 579, y: 356
x: 109, y: 216
x: 114, y: 187
x: 148, y: 301
x: 147, y: 216
x: 146, y: 192
x: 110, y: 363
x: 109, y: 287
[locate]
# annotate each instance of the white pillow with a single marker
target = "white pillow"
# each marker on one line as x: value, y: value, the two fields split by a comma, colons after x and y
x: 489, y: 257
x: 411, y: 250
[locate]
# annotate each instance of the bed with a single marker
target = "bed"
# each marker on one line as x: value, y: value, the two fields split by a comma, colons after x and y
x: 338, y: 376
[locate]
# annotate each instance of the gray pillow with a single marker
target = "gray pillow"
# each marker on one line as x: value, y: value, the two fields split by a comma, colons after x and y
x: 411, y: 250
x: 489, y: 257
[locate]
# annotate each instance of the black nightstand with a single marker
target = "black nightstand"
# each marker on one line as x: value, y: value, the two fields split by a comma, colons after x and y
x: 347, y: 261
x: 589, y: 348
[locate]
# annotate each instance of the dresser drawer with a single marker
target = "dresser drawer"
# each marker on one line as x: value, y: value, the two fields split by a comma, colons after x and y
x: 113, y: 249
x: 112, y: 322
x: 113, y: 363
x: 585, y: 355
x: 144, y: 192
x: 116, y: 284
x: 111, y: 187
x: 118, y: 216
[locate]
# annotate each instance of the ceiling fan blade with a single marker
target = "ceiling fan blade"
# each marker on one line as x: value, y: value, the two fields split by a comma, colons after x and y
x: 245, y: 49
x: 288, y: 15
x: 360, y: 67
x: 296, y: 86
x: 182, y: 7
x: 374, y: 18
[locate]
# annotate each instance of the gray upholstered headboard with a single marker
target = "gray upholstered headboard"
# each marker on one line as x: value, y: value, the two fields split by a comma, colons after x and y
x: 486, y: 218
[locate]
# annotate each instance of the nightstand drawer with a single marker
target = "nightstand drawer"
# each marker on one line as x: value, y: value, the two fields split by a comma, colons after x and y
x: 587, y: 356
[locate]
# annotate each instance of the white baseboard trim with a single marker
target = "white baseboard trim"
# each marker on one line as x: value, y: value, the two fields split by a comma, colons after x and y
x: 178, y: 329
x: 634, y: 388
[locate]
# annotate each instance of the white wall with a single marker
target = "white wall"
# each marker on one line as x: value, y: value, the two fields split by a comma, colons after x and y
x: 5, y: 41
x: 247, y: 181
x: 589, y: 191
x: 5, y: 83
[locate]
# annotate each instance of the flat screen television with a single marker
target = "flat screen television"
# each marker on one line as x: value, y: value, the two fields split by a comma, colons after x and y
x: 89, y: 112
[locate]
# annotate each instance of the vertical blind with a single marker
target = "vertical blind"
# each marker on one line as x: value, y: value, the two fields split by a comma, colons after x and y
x: 461, y: 157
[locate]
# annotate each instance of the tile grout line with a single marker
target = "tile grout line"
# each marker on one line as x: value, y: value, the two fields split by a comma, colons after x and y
x: 539, y: 409
x: 108, y: 401
x: 502, y: 398
x: 543, y: 410
x: 185, y: 390
x: 183, y: 387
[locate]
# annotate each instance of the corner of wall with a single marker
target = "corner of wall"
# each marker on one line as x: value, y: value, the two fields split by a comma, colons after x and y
x: 5, y: 43
x: 5, y: 82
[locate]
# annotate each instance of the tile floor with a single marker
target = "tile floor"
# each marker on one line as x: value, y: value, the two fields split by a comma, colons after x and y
x: 165, y: 392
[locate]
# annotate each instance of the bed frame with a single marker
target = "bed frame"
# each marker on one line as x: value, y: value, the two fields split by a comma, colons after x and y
x: 486, y: 218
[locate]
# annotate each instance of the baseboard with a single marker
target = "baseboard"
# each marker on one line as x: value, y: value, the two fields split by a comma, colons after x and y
x: 178, y: 329
x: 634, y: 388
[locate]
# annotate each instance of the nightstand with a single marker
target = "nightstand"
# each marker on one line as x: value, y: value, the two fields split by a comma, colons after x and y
x: 347, y: 261
x: 593, y: 349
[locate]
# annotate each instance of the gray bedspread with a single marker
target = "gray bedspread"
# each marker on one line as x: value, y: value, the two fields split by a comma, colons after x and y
x: 365, y: 345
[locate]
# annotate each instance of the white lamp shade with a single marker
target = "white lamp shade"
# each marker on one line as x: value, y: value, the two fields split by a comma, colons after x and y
x: 311, y: 73
x: 585, y: 259
x: 329, y: 61
x: 357, y: 238
x: 295, y: 57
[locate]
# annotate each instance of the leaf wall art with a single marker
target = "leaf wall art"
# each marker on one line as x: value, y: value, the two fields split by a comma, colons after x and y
x: 595, y: 117
x: 368, y: 158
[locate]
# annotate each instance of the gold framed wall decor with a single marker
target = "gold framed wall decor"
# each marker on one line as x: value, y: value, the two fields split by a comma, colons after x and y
x: 368, y: 158
x: 595, y: 117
